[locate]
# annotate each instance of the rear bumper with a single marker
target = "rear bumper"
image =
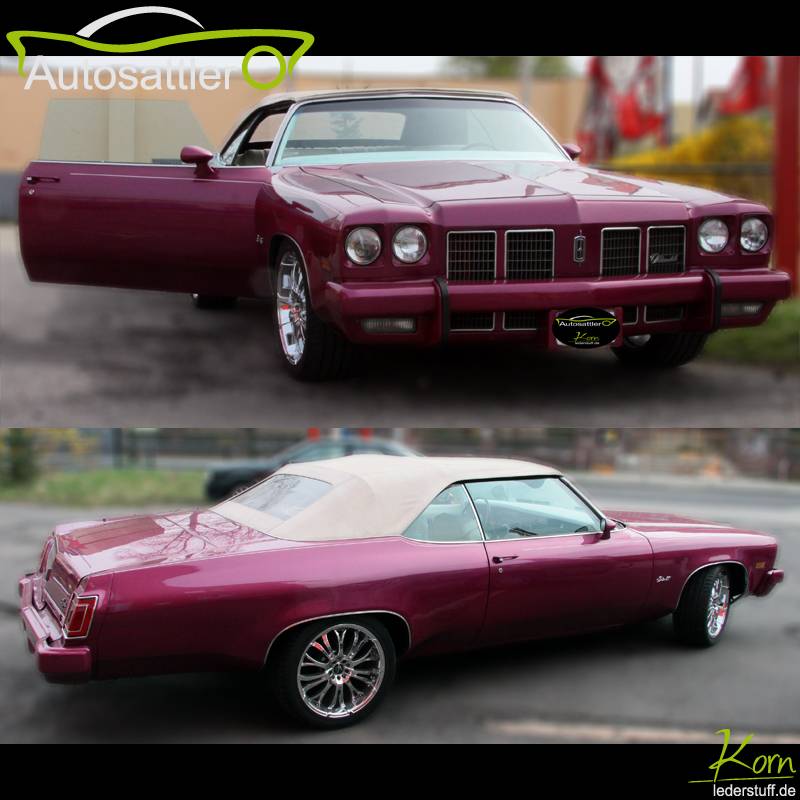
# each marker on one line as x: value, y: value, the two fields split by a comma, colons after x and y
x: 770, y: 580
x: 434, y: 302
x: 55, y: 659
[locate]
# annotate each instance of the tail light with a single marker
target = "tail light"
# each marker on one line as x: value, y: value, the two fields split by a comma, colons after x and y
x: 79, y: 616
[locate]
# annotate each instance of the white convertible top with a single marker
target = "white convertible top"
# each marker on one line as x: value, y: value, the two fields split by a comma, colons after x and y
x: 373, y: 495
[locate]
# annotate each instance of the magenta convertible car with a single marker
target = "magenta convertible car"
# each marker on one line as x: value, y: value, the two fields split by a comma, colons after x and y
x: 326, y: 573
x: 409, y: 217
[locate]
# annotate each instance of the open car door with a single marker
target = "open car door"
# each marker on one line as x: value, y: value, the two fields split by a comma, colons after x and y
x: 182, y: 228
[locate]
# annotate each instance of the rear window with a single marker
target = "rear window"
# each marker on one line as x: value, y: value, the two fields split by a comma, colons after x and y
x: 283, y: 496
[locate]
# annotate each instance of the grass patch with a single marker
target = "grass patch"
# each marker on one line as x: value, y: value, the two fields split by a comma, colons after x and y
x: 775, y: 343
x: 110, y: 487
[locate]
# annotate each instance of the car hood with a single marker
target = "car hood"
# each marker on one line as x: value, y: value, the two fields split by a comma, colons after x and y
x: 148, y: 540
x: 659, y: 526
x: 425, y: 183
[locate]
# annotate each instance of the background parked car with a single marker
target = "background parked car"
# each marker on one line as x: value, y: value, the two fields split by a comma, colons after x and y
x: 227, y: 479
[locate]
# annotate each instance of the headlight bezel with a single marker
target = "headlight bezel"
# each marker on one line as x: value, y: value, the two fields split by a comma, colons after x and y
x: 352, y: 256
x: 764, y: 226
x: 409, y: 261
x: 702, y: 242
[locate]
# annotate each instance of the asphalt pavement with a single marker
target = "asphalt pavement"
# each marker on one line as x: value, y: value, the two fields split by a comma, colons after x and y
x: 635, y: 684
x: 86, y: 356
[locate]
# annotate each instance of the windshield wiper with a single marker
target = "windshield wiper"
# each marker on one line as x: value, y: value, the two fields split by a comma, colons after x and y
x: 523, y: 532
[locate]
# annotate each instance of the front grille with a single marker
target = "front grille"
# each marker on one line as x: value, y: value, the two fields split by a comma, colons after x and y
x: 620, y: 251
x: 472, y: 321
x: 663, y: 313
x: 471, y: 255
x: 666, y: 249
x: 529, y: 255
x: 519, y: 321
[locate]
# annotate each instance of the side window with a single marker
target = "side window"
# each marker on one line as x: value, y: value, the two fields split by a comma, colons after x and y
x: 529, y: 507
x: 267, y: 129
x: 449, y: 518
x: 252, y: 150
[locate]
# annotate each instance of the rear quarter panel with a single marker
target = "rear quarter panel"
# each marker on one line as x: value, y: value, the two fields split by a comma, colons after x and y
x: 224, y: 612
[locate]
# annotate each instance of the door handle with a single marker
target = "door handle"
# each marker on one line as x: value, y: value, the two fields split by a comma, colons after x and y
x: 42, y: 179
x: 501, y: 559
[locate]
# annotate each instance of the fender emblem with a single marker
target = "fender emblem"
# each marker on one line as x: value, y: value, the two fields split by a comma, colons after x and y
x: 663, y: 578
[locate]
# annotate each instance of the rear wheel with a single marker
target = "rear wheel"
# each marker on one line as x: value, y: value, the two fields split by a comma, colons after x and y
x: 333, y: 673
x: 704, y: 608
x: 309, y: 348
x: 660, y: 349
x: 210, y: 302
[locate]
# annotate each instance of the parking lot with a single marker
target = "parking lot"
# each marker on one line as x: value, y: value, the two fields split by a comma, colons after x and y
x: 634, y: 684
x: 88, y: 356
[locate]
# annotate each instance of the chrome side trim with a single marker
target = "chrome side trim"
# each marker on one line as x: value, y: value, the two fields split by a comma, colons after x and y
x: 338, y: 614
x: 716, y: 564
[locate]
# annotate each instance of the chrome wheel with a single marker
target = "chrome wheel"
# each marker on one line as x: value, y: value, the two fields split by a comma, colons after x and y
x: 292, y: 307
x: 718, y: 605
x: 341, y: 671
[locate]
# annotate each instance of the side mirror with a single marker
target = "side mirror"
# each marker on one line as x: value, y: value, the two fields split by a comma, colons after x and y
x: 573, y: 150
x: 192, y: 154
x: 608, y: 526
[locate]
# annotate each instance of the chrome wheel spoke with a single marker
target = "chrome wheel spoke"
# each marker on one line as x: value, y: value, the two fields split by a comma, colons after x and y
x: 291, y: 307
x: 718, y: 605
x: 341, y: 670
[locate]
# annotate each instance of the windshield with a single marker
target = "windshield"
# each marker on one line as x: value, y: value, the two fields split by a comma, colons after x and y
x: 413, y: 129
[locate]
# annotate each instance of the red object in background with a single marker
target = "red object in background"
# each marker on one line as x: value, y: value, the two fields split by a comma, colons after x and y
x: 313, y: 433
x: 787, y: 168
x: 639, y: 109
x: 625, y: 102
x: 750, y: 87
x: 365, y: 433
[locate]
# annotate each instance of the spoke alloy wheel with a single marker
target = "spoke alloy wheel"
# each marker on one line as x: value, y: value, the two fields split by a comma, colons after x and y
x: 341, y: 671
x: 292, y: 307
x: 718, y: 606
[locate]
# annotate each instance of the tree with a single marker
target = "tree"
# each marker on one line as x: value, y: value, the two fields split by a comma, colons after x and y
x: 20, y: 455
x: 509, y: 66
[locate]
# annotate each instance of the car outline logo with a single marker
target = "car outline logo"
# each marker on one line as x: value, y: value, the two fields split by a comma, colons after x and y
x: 81, y: 39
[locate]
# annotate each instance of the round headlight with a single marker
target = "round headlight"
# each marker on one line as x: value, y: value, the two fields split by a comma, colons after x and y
x: 754, y: 234
x: 363, y: 246
x: 409, y: 244
x: 713, y: 235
